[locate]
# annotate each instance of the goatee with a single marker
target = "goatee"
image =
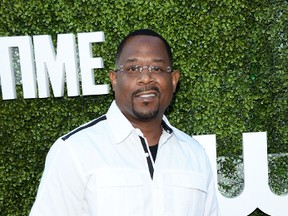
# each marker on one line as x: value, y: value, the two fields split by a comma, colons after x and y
x: 149, y: 114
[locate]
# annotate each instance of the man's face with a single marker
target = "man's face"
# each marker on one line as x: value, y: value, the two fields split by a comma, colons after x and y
x: 143, y: 96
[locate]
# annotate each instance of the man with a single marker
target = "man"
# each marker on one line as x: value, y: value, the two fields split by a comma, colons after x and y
x: 130, y: 161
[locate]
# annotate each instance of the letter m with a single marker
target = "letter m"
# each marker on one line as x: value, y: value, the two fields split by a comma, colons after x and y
x: 53, y: 67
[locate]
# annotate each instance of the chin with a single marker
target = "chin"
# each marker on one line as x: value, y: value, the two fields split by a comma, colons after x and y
x: 146, y: 115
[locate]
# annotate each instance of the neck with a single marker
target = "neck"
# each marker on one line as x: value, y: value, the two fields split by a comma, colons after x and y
x: 151, y: 130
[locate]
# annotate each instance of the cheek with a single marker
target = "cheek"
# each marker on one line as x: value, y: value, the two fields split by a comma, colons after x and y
x: 123, y: 89
x: 167, y: 92
x: 167, y: 86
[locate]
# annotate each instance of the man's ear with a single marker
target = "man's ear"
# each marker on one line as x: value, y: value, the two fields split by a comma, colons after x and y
x: 113, y: 78
x: 175, y: 79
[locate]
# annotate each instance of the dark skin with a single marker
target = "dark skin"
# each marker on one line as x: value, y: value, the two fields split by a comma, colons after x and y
x: 144, y: 98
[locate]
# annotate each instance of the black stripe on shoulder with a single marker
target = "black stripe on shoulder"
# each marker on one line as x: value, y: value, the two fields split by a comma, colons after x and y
x: 94, y: 122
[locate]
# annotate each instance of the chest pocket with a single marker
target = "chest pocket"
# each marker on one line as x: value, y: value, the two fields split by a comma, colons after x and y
x: 185, y: 192
x: 189, y: 180
x: 115, y: 192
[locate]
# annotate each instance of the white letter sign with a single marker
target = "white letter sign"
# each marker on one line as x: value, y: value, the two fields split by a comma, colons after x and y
x: 256, y: 193
x: 52, y: 67
x: 7, y: 76
x: 88, y: 63
x: 48, y: 63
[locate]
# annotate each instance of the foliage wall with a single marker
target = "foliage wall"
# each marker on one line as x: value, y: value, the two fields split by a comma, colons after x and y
x: 232, y: 56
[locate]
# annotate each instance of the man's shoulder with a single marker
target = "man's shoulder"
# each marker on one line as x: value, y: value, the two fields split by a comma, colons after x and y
x: 185, y: 138
x: 181, y: 135
x: 84, y: 127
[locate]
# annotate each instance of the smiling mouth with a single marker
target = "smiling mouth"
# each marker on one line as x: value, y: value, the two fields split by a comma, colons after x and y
x: 146, y: 95
x: 146, y: 92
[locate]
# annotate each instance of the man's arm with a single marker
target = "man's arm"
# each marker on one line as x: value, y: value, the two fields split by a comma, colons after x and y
x: 211, y: 205
x: 61, y: 189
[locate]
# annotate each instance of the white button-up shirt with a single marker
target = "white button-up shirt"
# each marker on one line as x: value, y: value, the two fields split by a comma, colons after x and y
x: 100, y: 169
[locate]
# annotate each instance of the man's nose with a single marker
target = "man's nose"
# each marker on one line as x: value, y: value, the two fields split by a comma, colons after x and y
x: 145, y: 76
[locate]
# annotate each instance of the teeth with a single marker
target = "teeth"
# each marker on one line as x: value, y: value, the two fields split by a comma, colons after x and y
x: 147, y: 95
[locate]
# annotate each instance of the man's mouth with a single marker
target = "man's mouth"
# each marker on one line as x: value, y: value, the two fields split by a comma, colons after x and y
x: 146, y: 92
x: 146, y: 95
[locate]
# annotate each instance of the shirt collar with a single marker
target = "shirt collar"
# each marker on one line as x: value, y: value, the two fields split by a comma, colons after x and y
x: 170, y: 129
x: 119, y: 124
x: 165, y: 125
x: 121, y: 128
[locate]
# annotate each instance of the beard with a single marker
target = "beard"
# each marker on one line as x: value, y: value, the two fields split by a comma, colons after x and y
x: 146, y: 114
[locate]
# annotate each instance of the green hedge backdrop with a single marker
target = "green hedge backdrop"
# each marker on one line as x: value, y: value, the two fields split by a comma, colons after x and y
x: 232, y: 55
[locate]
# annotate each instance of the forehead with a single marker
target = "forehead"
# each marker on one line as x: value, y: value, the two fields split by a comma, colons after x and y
x: 144, y: 47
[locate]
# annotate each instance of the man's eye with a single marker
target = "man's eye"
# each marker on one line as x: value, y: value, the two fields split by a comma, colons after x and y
x: 157, y: 69
x: 132, y: 69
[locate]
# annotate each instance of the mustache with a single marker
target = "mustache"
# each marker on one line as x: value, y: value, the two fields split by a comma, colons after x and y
x: 146, y: 88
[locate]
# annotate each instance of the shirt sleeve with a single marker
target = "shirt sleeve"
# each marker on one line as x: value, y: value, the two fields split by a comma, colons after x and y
x: 61, y: 189
x: 211, y: 205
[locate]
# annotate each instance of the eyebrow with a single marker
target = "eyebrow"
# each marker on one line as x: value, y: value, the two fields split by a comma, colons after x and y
x: 153, y: 60
x: 131, y: 60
